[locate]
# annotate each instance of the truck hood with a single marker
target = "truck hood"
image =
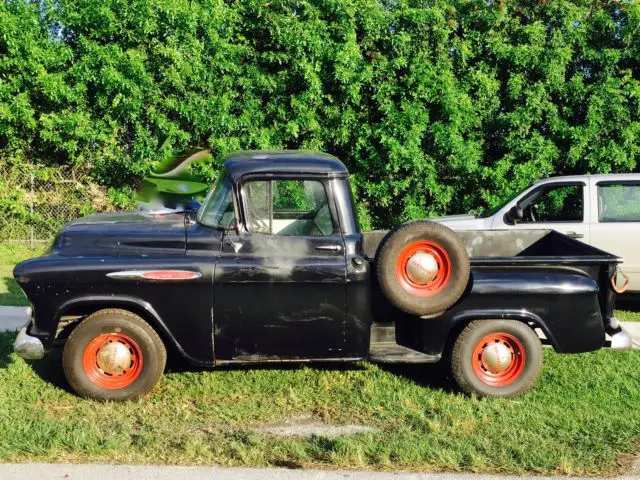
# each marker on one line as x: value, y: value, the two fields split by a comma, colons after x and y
x: 464, y: 222
x: 453, y: 218
x: 121, y: 234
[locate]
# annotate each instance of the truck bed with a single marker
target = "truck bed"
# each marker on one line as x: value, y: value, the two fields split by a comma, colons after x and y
x: 506, y: 267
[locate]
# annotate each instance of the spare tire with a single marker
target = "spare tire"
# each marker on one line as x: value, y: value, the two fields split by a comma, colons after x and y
x: 422, y: 267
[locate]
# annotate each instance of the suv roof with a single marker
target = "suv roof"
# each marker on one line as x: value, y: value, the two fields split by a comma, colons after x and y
x: 597, y: 177
x: 283, y: 161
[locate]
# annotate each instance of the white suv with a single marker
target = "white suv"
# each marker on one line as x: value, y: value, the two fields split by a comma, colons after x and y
x: 601, y: 210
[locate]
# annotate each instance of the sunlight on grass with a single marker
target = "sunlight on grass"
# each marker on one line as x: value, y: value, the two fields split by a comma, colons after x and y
x: 10, y: 255
x: 627, y: 316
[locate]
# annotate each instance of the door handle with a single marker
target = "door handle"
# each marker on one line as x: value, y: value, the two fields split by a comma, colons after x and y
x: 575, y: 235
x: 332, y: 248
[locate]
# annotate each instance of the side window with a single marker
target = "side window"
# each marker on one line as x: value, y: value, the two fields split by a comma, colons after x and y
x: 288, y: 207
x: 557, y: 203
x: 619, y: 202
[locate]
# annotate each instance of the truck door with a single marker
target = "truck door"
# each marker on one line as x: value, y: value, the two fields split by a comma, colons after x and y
x: 560, y: 206
x: 280, y: 283
x: 616, y: 224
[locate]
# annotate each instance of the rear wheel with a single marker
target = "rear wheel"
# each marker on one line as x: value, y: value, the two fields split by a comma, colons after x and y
x: 496, y: 358
x: 423, y: 267
x: 113, y: 355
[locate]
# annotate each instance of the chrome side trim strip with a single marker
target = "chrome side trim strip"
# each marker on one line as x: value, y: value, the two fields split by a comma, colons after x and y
x: 156, y: 275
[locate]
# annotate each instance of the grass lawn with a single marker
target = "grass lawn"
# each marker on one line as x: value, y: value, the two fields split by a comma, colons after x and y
x: 628, y: 316
x: 581, y: 418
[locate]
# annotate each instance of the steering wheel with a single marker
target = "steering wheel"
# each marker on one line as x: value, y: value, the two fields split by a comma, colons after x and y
x: 533, y: 213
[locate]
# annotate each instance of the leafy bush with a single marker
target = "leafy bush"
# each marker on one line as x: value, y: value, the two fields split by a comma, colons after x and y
x: 436, y: 106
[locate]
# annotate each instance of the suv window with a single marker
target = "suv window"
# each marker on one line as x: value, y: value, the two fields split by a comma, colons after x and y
x: 555, y: 203
x: 619, y: 202
x: 288, y: 207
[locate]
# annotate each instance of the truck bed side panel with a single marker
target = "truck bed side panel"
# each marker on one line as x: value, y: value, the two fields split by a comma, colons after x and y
x: 563, y: 303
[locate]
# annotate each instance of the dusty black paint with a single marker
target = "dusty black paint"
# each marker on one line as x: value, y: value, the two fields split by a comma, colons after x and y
x: 262, y: 298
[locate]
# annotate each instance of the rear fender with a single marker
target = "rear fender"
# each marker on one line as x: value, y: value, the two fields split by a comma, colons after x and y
x: 461, y: 319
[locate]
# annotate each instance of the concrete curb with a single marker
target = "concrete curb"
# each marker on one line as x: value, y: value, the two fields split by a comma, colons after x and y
x: 634, y: 330
x: 137, y: 472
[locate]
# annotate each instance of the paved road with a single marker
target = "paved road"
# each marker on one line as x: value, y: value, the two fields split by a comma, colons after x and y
x: 13, y: 318
x: 634, y: 330
x: 140, y: 472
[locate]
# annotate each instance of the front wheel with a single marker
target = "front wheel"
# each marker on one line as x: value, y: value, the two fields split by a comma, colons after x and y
x: 113, y: 355
x: 496, y: 358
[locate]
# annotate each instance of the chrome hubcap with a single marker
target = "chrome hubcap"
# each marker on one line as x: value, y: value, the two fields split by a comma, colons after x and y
x: 422, y: 268
x: 114, y: 358
x: 496, y: 357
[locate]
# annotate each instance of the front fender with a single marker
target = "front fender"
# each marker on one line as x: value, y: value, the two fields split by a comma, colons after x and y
x: 180, y: 310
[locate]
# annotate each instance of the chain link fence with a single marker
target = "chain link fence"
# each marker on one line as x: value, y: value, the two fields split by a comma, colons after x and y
x: 35, y: 201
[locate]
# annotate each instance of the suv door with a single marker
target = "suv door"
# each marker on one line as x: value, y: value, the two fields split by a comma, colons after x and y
x: 560, y: 206
x: 616, y: 226
x: 280, y: 283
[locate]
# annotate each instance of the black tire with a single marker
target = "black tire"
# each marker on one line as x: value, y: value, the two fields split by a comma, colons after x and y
x: 419, y: 299
x: 473, y: 381
x: 146, y: 346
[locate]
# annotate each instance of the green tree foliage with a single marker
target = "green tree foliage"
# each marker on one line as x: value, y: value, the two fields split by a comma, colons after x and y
x: 436, y: 106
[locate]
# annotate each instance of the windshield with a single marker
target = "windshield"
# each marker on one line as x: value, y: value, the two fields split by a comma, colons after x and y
x: 217, y: 209
x: 492, y: 211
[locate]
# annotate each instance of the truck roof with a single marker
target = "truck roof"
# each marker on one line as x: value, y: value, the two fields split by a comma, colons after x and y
x: 283, y: 161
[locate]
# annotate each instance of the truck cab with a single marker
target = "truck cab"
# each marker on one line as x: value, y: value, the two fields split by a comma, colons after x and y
x: 291, y: 247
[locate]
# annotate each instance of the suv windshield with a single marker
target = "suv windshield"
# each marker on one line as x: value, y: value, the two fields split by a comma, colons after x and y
x: 217, y: 209
x: 492, y: 211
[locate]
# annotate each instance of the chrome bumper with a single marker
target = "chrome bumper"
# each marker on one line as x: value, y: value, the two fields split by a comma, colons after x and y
x: 621, y: 340
x: 28, y: 347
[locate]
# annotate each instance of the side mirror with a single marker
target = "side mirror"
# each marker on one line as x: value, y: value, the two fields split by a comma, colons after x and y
x: 515, y: 214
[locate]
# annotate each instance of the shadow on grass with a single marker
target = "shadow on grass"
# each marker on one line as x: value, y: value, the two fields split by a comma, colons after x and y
x: 177, y: 364
x: 6, y: 347
x: 435, y: 376
x: 49, y: 369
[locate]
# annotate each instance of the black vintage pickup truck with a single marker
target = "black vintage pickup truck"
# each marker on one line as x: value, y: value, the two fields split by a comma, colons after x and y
x: 273, y: 268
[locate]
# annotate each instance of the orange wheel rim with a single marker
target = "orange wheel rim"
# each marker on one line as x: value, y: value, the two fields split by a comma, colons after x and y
x: 112, y: 361
x: 431, y: 267
x: 498, y: 359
